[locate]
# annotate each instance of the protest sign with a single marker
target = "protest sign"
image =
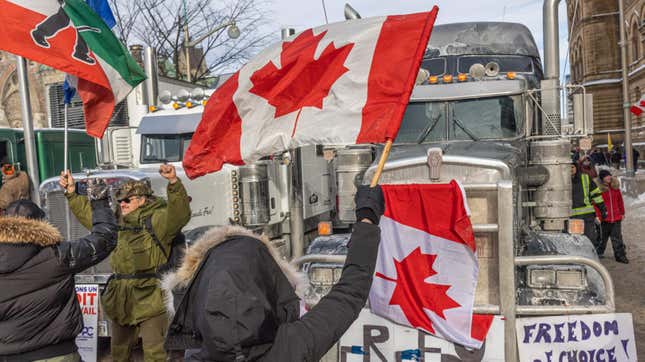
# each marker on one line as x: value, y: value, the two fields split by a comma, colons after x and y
x: 86, y: 341
x: 584, y: 338
x: 376, y: 339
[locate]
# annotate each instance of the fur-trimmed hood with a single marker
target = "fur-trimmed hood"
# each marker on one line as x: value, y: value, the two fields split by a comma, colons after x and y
x: 21, y: 238
x: 615, y: 184
x: 197, y: 251
x: 20, y: 230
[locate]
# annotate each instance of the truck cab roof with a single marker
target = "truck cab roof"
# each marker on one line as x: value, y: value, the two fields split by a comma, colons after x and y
x: 466, y: 90
x: 482, y: 38
x: 171, y: 121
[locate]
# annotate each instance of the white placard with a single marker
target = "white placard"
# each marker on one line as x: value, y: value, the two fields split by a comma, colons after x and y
x: 387, y: 341
x: 587, y: 338
x: 87, y: 340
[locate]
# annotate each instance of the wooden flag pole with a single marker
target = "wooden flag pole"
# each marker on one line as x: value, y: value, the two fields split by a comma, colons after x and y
x: 381, y: 162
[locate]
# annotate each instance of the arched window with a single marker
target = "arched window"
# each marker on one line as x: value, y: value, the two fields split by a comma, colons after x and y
x: 576, y: 62
x: 635, y: 43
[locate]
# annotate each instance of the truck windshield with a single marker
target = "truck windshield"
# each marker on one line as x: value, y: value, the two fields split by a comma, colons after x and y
x: 473, y: 119
x: 164, y: 148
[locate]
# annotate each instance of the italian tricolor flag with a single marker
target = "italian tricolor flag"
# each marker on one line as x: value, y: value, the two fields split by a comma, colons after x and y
x: 69, y: 36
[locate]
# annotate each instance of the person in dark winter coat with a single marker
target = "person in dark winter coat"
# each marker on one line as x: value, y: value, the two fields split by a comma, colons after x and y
x: 635, y: 155
x: 611, y: 224
x: 584, y: 196
x: 586, y: 166
x: 616, y: 156
x: 39, y: 313
x: 240, y: 299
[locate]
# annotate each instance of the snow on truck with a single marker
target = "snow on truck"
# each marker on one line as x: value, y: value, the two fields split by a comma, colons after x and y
x: 483, y: 99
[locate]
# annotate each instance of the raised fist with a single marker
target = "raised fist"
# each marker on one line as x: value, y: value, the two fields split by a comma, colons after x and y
x: 168, y: 172
x: 370, y: 203
x: 66, y: 181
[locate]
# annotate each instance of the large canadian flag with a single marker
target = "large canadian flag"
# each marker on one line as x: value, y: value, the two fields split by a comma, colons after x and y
x: 426, y: 272
x: 341, y: 83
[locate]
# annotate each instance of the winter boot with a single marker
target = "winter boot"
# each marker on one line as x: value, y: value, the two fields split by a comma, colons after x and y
x: 622, y: 259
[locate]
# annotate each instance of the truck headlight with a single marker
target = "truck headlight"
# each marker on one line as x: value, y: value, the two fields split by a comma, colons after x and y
x: 541, y: 278
x: 570, y: 278
x: 324, y: 276
x: 321, y: 276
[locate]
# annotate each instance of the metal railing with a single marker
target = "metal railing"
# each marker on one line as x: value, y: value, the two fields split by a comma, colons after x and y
x: 608, y: 307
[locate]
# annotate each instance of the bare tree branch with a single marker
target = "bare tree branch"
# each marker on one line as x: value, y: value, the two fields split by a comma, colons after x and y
x: 161, y: 24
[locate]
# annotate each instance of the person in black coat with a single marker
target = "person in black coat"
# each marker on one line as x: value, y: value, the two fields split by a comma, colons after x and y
x: 241, y: 301
x: 39, y: 312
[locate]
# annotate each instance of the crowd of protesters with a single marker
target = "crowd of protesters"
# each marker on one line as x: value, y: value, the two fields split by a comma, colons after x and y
x: 37, y: 264
x: 591, y: 160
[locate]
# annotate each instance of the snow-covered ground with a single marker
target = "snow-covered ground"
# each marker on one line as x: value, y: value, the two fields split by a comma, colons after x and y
x: 629, y: 278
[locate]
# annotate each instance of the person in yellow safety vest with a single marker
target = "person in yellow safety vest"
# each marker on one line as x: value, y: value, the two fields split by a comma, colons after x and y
x: 584, y: 195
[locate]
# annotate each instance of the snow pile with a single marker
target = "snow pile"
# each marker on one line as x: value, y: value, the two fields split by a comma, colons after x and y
x: 635, y: 206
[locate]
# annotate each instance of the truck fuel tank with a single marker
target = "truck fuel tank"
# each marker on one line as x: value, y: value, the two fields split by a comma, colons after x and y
x: 350, y: 166
x: 254, y: 194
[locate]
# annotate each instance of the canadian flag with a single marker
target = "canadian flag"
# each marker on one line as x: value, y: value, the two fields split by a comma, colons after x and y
x: 639, y: 107
x: 426, y: 272
x: 341, y: 83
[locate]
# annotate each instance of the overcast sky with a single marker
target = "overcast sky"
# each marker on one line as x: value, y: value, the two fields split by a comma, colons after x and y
x: 303, y: 14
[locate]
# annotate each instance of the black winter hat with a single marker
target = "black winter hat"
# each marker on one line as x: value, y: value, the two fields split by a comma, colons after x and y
x: 604, y: 173
x: 25, y: 208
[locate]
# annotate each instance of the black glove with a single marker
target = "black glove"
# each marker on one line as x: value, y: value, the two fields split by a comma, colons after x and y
x: 603, y: 211
x: 97, y: 189
x: 370, y: 203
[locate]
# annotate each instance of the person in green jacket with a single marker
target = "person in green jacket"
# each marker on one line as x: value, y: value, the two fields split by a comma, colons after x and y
x: 133, y: 299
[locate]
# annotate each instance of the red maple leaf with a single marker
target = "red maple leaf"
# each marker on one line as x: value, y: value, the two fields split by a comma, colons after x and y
x: 413, y: 294
x: 301, y: 80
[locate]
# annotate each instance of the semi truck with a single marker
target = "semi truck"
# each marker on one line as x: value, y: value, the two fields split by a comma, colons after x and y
x: 49, y: 150
x: 484, y: 113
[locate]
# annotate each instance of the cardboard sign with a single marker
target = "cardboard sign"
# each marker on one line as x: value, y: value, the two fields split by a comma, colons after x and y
x: 375, y: 339
x: 87, y: 340
x: 585, y: 143
x: 589, y: 338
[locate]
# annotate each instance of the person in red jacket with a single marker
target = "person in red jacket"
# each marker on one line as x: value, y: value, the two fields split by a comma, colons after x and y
x: 611, y: 225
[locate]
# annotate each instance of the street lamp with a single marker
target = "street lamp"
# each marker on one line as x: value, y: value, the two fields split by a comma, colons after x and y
x: 233, y: 32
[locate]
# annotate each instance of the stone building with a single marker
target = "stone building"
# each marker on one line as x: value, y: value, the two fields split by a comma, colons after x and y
x: 594, y: 55
x: 39, y: 77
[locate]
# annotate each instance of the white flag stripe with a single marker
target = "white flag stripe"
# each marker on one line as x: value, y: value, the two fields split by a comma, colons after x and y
x: 120, y: 88
x: 46, y: 8
x: 320, y: 126
x: 463, y: 193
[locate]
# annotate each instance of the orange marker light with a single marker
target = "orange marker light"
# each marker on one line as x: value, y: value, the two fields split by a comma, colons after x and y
x: 462, y: 77
x: 511, y: 75
x: 324, y: 228
x: 433, y: 79
x: 447, y: 78
x: 176, y: 106
x: 152, y: 109
x: 576, y: 226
